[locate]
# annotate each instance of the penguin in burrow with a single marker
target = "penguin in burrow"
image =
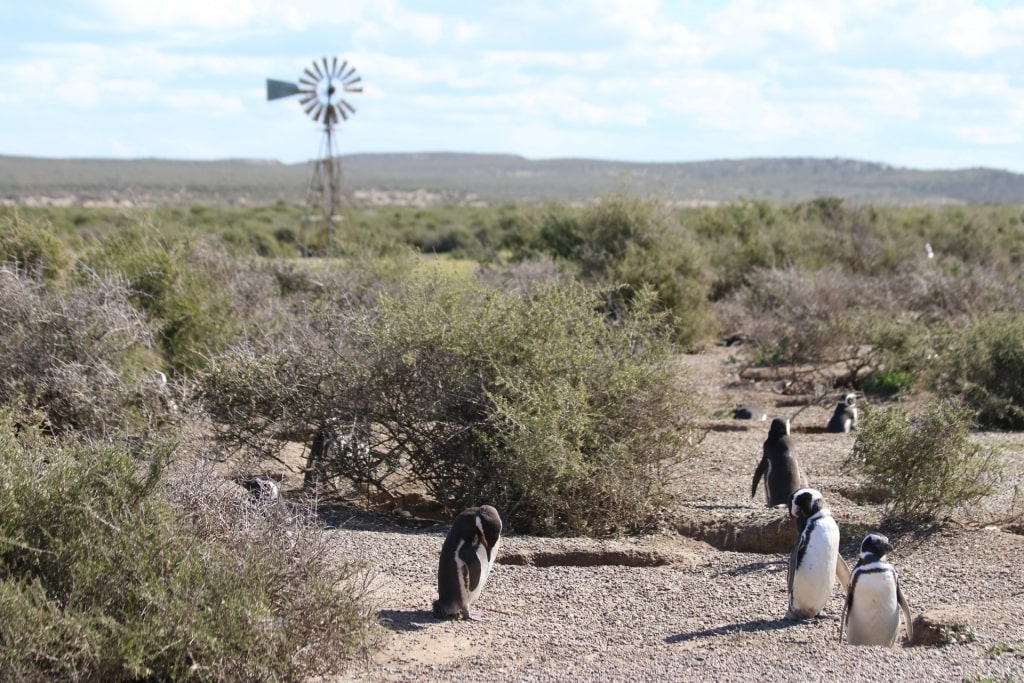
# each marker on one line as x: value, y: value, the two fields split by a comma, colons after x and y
x: 844, y: 417
x: 778, y: 466
x: 871, y: 614
x: 815, y: 563
x: 467, y: 556
x: 749, y: 412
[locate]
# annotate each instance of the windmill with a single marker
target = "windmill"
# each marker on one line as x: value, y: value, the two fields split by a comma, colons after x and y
x: 321, y: 91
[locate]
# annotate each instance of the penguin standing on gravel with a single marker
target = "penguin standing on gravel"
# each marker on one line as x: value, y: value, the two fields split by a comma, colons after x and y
x: 778, y: 466
x: 467, y: 555
x: 815, y: 563
x: 871, y: 615
x: 844, y: 417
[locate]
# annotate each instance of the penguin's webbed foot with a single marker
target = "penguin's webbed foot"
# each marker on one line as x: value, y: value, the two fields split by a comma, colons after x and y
x: 469, y: 616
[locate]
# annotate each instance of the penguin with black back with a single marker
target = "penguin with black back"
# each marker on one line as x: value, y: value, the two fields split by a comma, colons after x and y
x: 778, y: 466
x: 467, y: 556
x: 871, y: 615
x: 844, y: 417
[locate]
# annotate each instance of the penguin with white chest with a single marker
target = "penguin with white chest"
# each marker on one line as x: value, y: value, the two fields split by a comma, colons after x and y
x: 844, y: 417
x: 814, y: 564
x: 467, y: 555
x: 778, y: 466
x: 871, y: 615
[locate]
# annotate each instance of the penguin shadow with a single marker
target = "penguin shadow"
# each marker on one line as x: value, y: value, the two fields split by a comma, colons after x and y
x: 406, y: 620
x: 728, y: 629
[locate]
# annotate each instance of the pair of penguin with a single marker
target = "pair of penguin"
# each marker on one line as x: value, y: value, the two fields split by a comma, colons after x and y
x: 873, y: 597
x: 467, y: 556
x: 874, y: 600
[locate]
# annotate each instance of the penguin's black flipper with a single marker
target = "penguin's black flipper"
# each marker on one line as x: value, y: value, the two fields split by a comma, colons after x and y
x: 762, y: 467
x: 902, y: 602
x: 843, y: 574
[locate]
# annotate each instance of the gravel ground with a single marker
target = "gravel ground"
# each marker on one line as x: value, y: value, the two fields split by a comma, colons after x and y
x: 700, y: 612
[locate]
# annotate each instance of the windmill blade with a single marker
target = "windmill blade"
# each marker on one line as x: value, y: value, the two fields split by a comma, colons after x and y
x: 326, y: 69
x: 344, y: 63
x: 334, y: 65
x: 308, y: 83
x: 319, y: 110
x: 310, y: 107
x: 341, y: 111
x: 313, y: 77
x: 316, y: 67
x: 348, y: 106
x: 278, y: 89
x: 307, y: 98
x: 349, y: 74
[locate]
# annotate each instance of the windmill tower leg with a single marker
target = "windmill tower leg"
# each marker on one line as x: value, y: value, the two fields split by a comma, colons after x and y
x: 324, y: 198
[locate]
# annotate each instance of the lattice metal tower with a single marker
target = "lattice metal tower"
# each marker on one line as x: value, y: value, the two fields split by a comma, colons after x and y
x: 321, y: 89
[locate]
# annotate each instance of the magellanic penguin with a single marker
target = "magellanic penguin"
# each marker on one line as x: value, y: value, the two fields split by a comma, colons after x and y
x: 778, y: 466
x: 749, y: 412
x: 871, y: 615
x: 844, y: 417
x: 467, y: 556
x: 815, y: 562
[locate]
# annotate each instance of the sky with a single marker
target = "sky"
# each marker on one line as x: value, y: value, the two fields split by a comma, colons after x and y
x: 930, y: 84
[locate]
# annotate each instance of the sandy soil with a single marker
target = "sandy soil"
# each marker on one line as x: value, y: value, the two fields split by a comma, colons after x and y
x: 703, y: 598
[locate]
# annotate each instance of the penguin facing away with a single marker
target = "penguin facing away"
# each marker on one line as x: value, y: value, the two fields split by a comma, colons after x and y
x: 467, y: 555
x: 844, y: 417
x: 778, y: 466
x: 814, y: 563
x: 871, y: 615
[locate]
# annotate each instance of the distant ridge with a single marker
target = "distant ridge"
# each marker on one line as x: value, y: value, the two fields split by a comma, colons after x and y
x: 496, y: 178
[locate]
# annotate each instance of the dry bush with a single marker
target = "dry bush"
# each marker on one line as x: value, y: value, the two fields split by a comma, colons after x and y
x: 111, y: 570
x: 83, y: 355
x: 528, y: 402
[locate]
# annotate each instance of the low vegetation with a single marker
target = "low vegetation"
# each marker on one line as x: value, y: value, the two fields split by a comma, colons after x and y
x: 112, y: 570
x: 516, y: 355
x: 473, y: 394
x: 924, y: 467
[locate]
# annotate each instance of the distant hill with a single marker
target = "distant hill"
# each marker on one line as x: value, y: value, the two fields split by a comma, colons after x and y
x: 493, y: 178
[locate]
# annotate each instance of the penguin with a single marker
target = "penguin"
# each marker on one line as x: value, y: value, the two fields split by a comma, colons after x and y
x: 871, y: 614
x: 815, y: 562
x: 844, y: 418
x: 749, y: 412
x: 262, y: 488
x: 467, y: 555
x: 778, y: 466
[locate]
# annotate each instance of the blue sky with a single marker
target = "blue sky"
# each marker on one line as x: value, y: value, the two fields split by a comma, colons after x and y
x: 917, y: 83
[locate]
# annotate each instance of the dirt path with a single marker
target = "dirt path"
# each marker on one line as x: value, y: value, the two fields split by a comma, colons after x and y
x: 690, y: 610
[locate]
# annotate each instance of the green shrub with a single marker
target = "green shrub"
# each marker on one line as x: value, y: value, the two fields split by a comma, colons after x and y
x: 32, y: 247
x: 638, y: 243
x: 534, y: 402
x: 922, y: 466
x: 189, y: 304
x: 984, y: 365
x: 104, y: 578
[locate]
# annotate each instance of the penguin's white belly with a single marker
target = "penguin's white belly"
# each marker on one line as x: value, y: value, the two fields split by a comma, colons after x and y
x: 874, y: 618
x: 485, y: 569
x: 814, y: 577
